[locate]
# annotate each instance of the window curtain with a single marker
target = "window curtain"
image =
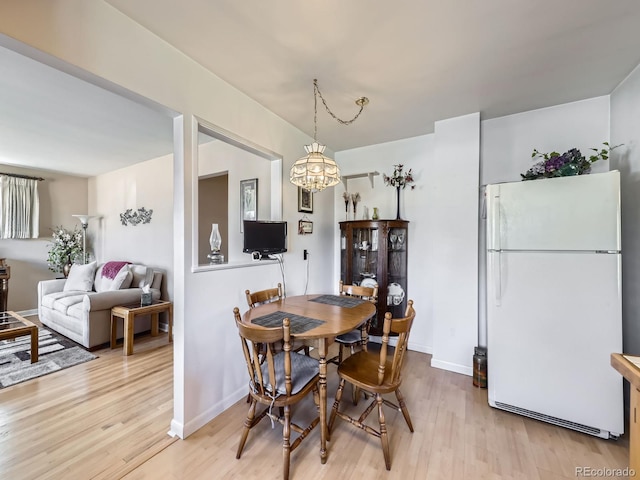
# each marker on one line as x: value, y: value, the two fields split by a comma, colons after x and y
x: 20, y: 209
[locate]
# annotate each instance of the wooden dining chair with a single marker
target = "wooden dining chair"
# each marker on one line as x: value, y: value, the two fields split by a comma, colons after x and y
x: 279, y: 380
x: 378, y: 374
x: 264, y: 296
x: 267, y: 296
x: 358, y: 336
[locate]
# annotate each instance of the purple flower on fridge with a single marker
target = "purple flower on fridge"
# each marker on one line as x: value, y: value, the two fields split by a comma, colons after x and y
x: 572, y: 162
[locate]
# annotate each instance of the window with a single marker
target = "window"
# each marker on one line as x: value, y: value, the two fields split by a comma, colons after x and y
x: 19, y: 207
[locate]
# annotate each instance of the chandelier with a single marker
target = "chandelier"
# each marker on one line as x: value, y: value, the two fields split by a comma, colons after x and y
x: 315, y: 171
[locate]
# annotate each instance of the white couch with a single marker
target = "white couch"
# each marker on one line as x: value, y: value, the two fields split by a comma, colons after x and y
x: 83, y: 314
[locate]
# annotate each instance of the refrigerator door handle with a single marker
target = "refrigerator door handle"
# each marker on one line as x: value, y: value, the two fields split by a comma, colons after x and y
x: 496, y: 265
x: 495, y: 221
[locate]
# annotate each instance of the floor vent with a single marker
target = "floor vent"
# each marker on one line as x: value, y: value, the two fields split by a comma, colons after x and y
x: 555, y: 420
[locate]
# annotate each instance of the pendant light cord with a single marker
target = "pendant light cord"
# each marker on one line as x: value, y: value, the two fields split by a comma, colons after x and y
x: 361, y: 102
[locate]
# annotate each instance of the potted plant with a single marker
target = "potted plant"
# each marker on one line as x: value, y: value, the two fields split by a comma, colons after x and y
x: 64, y: 248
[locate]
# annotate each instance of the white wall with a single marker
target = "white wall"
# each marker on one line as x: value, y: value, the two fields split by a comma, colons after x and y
x: 111, y: 50
x: 625, y: 119
x: 415, y: 153
x: 454, y: 240
x: 507, y: 142
x: 150, y: 185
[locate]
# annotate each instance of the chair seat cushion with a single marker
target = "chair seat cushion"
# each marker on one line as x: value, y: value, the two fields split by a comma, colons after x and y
x: 350, y: 338
x: 303, y: 370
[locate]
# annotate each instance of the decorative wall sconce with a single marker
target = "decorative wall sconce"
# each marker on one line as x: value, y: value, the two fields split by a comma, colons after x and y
x: 129, y: 217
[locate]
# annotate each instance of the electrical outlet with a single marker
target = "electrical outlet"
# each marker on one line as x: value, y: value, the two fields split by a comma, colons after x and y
x: 305, y: 254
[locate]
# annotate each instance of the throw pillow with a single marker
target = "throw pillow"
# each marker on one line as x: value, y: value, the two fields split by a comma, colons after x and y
x: 142, y: 275
x: 112, y: 276
x: 80, y: 277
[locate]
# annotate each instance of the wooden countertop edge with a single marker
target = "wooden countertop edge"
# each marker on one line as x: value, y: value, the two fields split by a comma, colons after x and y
x: 626, y: 368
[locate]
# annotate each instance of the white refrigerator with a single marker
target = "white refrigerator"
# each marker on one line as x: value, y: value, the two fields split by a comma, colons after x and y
x: 554, y: 312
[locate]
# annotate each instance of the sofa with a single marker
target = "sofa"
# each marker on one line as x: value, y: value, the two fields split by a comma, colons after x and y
x: 79, y: 306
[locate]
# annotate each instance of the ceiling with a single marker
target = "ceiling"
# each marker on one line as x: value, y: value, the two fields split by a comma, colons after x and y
x: 417, y: 62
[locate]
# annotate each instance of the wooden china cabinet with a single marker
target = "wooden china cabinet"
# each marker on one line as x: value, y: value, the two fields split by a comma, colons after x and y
x: 375, y: 252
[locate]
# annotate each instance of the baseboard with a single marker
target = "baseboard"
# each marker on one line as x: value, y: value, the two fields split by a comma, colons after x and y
x: 184, y: 430
x: 416, y: 347
x: 452, y: 367
x: 28, y: 313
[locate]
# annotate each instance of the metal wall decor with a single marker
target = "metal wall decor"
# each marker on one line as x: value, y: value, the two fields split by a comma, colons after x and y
x: 142, y: 215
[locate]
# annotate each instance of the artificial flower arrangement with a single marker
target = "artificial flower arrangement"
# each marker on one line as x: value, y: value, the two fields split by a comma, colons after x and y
x: 399, y: 179
x: 571, y: 162
x: 64, y: 248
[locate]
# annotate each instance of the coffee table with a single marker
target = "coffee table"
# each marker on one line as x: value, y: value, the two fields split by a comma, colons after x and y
x: 129, y: 313
x: 13, y: 326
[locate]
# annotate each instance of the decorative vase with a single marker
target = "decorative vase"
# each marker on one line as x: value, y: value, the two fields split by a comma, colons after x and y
x: 215, y: 241
x: 398, y: 203
x: 66, y: 268
x: 375, y: 214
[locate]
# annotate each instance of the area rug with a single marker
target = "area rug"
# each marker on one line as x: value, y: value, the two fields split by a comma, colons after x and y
x: 55, y: 352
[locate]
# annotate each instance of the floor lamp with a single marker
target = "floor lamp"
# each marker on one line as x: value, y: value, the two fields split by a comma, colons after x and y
x: 84, y: 220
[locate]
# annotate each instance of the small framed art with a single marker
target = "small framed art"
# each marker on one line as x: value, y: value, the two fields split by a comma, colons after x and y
x: 305, y: 227
x: 248, y: 201
x: 305, y: 200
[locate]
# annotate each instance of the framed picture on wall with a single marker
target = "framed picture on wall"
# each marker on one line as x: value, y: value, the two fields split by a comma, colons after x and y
x: 305, y: 200
x: 248, y: 201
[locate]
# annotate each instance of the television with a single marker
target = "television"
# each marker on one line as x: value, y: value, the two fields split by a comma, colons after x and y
x: 265, y: 237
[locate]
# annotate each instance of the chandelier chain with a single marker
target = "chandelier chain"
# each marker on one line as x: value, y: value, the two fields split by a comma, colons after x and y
x: 343, y: 122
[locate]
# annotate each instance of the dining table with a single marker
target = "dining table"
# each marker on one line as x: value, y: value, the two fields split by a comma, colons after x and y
x: 318, y: 318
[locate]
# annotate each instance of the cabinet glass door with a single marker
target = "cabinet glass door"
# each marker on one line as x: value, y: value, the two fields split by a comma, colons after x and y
x: 397, y: 271
x: 364, y: 261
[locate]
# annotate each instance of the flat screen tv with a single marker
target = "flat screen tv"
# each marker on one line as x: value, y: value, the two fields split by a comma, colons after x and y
x: 265, y: 237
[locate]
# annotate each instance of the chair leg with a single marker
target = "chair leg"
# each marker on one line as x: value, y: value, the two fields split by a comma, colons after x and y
x: 355, y: 394
x: 355, y: 391
x: 384, y: 438
x: 405, y: 410
x: 286, y: 446
x: 247, y: 426
x: 336, y: 403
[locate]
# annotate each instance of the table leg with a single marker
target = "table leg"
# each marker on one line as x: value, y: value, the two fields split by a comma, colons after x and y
x: 114, y: 329
x: 155, y: 319
x: 322, y: 352
x: 128, y: 334
x: 34, y: 344
x: 170, y: 321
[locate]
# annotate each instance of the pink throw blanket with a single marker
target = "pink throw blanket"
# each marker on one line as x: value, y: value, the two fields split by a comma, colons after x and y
x: 111, y: 269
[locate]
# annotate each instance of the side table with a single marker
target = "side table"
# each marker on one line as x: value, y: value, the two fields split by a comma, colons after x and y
x: 13, y: 326
x: 129, y: 313
x: 629, y: 367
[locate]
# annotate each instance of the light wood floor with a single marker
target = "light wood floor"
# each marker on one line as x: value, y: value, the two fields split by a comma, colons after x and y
x: 108, y: 419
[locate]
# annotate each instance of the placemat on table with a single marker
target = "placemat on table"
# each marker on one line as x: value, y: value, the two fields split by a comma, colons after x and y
x: 299, y: 324
x: 339, y: 300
